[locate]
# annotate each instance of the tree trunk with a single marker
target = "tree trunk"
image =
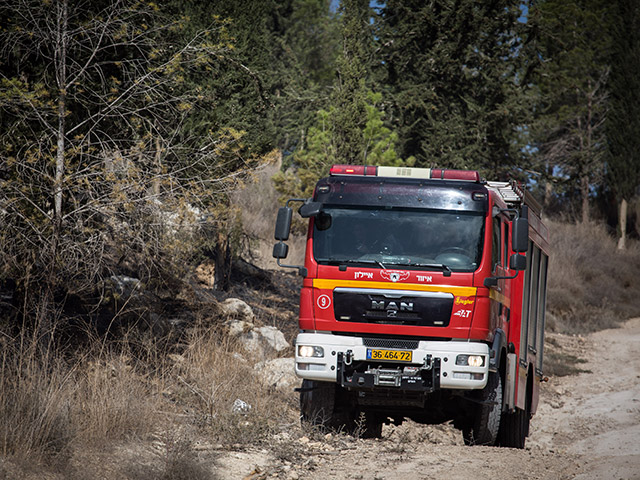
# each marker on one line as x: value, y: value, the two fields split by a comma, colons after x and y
x: 622, y: 221
x: 223, y: 262
x: 584, y: 189
x: 61, y: 74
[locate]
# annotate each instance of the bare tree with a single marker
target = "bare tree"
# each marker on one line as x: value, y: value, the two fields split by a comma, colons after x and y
x: 99, y: 170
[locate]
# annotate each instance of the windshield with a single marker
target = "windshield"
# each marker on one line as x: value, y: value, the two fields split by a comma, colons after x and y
x: 430, y: 239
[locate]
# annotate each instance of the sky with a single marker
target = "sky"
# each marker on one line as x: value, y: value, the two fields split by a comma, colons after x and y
x: 523, y: 7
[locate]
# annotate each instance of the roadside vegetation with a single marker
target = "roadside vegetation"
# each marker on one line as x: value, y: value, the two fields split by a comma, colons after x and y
x: 128, y: 130
x: 68, y: 410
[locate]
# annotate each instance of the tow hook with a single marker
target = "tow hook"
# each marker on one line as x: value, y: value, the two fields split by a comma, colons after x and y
x: 428, y: 362
x: 348, y: 357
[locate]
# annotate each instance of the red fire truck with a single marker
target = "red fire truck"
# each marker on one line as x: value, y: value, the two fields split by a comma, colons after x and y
x: 424, y: 298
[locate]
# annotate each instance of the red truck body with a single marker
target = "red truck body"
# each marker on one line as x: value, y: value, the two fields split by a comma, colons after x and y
x: 423, y: 297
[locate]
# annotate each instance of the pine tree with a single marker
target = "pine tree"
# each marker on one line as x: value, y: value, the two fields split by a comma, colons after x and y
x: 351, y: 89
x: 623, y: 116
x: 377, y: 147
x: 568, y: 132
x: 455, y: 72
x: 352, y: 129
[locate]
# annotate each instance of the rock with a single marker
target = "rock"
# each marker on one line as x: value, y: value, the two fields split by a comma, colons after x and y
x: 278, y: 373
x: 237, y: 309
x: 273, y: 337
x: 258, y: 341
x: 238, y: 327
x: 240, y: 406
x: 125, y: 286
x: 263, y: 341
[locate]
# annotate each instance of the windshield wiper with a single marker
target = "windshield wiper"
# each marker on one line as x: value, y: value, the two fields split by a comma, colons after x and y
x: 445, y: 268
x: 351, y: 261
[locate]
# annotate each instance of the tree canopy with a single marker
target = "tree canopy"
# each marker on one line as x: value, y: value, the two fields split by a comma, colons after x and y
x: 133, y: 119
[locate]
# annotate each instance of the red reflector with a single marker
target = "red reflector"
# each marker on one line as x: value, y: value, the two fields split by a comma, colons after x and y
x: 353, y: 170
x: 445, y: 174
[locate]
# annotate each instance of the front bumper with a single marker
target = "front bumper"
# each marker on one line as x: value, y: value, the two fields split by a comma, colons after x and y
x: 433, y: 364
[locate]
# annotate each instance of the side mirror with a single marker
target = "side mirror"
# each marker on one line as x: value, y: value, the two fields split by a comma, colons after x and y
x: 517, y: 262
x: 283, y: 224
x: 283, y: 229
x: 280, y: 250
x: 491, y: 282
x: 310, y: 209
x: 520, y: 232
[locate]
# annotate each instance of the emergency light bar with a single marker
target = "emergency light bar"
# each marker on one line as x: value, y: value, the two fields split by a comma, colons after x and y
x: 405, y: 172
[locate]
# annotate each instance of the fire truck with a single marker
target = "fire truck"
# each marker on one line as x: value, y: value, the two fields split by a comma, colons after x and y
x: 423, y: 298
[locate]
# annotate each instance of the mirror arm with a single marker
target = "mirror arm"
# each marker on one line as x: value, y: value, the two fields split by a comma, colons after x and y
x: 302, y: 271
x: 493, y: 281
x: 303, y: 200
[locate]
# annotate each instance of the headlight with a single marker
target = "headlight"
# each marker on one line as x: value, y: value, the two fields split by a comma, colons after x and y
x: 309, y: 351
x: 470, y: 360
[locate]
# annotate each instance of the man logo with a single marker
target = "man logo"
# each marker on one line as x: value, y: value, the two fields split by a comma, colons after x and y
x: 394, y: 275
x: 392, y: 307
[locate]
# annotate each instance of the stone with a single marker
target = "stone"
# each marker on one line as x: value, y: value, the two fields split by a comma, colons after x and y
x: 278, y: 373
x: 237, y: 309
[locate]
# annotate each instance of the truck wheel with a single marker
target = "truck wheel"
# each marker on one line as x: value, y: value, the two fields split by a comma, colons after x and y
x: 484, y: 427
x: 322, y: 405
x: 514, y: 427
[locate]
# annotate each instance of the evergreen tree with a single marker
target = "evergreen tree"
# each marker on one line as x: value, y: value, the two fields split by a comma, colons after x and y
x: 307, y: 52
x: 350, y: 96
x: 568, y: 131
x: 455, y: 71
x: 352, y: 130
x: 623, y: 116
x: 277, y: 73
x: 377, y: 147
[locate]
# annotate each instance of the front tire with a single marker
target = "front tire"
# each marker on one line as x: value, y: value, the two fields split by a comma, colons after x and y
x: 323, y: 405
x: 485, y: 424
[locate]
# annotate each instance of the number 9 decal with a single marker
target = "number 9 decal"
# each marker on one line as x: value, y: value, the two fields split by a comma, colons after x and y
x: 323, y: 302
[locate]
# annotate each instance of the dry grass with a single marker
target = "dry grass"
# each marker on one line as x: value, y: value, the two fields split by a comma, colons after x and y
x: 233, y: 406
x: 57, y: 409
x: 50, y: 404
x: 35, y: 415
x: 592, y: 285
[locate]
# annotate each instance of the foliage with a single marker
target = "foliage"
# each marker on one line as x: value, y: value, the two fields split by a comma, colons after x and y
x: 623, y: 116
x: 568, y: 131
x: 98, y: 172
x: 352, y: 130
x: 275, y: 75
x: 376, y: 147
x: 456, y: 77
x: 350, y: 95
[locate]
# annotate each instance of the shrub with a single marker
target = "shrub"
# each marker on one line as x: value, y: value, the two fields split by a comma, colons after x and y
x: 591, y: 283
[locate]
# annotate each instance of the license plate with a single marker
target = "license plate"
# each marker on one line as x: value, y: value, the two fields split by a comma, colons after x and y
x: 391, y: 355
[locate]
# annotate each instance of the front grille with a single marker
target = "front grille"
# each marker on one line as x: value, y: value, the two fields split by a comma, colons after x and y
x: 393, y: 307
x: 390, y: 343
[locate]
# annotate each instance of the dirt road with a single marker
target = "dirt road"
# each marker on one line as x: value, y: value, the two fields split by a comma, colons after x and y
x: 587, y: 427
